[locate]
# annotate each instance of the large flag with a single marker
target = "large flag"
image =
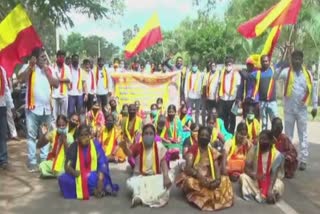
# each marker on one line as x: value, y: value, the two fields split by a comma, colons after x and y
x: 283, y: 13
x: 17, y: 39
x: 271, y: 41
x: 149, y: 35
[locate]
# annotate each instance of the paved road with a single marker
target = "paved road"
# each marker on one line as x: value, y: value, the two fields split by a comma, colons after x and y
x: 22, y: 192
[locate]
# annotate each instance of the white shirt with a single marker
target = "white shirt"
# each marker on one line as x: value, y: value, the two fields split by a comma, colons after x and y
x: 6, y: 99
x: 101, y: 90
x: 294, y: 102
x: 196, y: 93
x: 57, y: 74
x: 74, y: 91
x: 213, y: 81
x: 42, y: 92
x: 227, y: 82
x: 89, y: 79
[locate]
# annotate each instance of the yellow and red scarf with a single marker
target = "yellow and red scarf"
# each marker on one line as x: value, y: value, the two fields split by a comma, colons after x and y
x: 270, y: 87
x: 211, y: 78
x: 193, y: 87
x: 105, y: 76
x: 136, y: 125
x: 235, y: 150
x: 85, y: 166
x: 93, y: 85
x: 155, y: 159
x: 30, y: 93
x: 57, y: 154
x: 211, y: 161
x: 256, y: 87
x: 253, y: 128
x: 109, y: 141
x: 290, y: 81
x: 2, y: 83
x: 223, y: 90
x: 172, y: 130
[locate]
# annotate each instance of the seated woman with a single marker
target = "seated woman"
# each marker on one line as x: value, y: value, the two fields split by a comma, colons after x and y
x: 204, y: 181
x: 151, y: 182
x: 140, y: 112
x: 95, y: 118
x: 172, y: 134
x: 217, y: 126
x: 86, y: 169
x: 160, y: 106
x: 253, y: 125
x: 123, y: 114
x: 191, y: 140
x: 59, y: 142
x: 154, y: 114
x: 237, y: 149
x: 109, y: 138
x: 131, y: 128
x: 285, y: 146
x: 114, y: 112
x: 74, y: 122
x: 262, y: 178
x: 186, y: 121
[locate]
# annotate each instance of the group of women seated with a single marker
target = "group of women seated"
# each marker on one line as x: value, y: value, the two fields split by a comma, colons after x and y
x: 212, y: 157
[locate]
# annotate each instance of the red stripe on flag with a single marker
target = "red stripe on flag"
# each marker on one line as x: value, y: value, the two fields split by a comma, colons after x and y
x: 25, y: 42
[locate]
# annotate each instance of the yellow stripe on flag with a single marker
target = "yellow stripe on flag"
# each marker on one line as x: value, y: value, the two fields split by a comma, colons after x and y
x: 272, y: 16
x: 152, y: 23
x: 16, y: 21
x: 268, y: 45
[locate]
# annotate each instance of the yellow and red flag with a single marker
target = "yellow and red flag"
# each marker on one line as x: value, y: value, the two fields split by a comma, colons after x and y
x: 17, y: 39
x: 149, y: 35
x: 283, y: 13
x: 272, y: 41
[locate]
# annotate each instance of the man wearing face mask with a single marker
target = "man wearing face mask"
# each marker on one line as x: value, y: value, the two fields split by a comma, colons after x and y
x: 229, y: 83
x: 103, y: 82
x: 77, y: 87
x: 193, y: 89
x: 132, y: 124
x: 253, y: 125
x: 60, y: 94
x: 210, y: 86
x: 299, y: 92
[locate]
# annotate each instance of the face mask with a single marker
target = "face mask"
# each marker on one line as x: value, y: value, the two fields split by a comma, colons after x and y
x: 148, y: 140
x: 178, y: 66
x: 132, y: 114
x: 204, y: 141
x: 154, y: 113
x: 171, y: 116
x: 62, y: 130
x: 250, y: 116
x: 194, y: 69
x: 75, y: 64
x: 72, y: 124
x: 229, y: 68
x: 60, y: 61
x: 213, y: 70
x: 109, y: 125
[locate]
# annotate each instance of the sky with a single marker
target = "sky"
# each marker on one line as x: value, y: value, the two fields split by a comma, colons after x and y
x: 171, y: 13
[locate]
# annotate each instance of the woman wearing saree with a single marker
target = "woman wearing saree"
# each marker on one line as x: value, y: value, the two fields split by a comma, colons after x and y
x: 261, y: 180
x: 59, y: 140
x: 204, y: 180
x: 86, y: 169
x: 217, y: 126
x: 151, y: 181
x: 285, y: 146
x: 236, y: 150
x: 186, y: 121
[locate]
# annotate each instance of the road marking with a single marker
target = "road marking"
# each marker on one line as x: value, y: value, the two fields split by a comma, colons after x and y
x: 286, y: 208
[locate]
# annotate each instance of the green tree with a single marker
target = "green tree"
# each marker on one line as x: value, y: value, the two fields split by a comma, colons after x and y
x: 74, y: 44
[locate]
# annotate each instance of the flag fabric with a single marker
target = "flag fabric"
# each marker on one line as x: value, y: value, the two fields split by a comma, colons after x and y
x: 271, y: 41
x: 17, y: 39
x: 283, y: 13
x: 149, y: 35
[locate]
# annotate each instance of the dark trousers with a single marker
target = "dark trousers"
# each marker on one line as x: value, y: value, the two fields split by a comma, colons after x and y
x: 3, y: 135
x: 89, y: 102
x: 75, y: 104
x: 245, y: 109
x: 103, y: 100
x: 226, y: 115
x: 207, y: 109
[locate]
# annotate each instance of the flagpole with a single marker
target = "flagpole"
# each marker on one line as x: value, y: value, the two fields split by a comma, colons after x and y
x: 163, y: 52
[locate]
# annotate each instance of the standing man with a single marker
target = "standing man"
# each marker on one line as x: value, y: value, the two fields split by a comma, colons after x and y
x: 5, y: 103
x: 248, y: 92
x: 299, y: 92
x: 90, y: 83
x: 210, y: 86
x: 77, y: 87
x: 103, y: 82
x: 60, y: 94
x: 39, y: 79
x: 193, y: 89
x: 228, y: 86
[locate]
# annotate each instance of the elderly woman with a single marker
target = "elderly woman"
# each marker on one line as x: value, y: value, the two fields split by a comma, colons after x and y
x: 151, y: 182
x: 86, y: 169
x: 204, y: 180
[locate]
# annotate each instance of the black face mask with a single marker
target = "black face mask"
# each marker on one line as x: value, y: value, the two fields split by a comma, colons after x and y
x: 204, y: 141
x: 75, y: 64
x: 132, y: 114
x: 109, y: 125
x: 171, y: 117
x: 72, y: 125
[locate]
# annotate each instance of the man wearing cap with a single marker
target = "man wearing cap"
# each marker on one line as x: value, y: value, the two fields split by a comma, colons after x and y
x: 248, y: 92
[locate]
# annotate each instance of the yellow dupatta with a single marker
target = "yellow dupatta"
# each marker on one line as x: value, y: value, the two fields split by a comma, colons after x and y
x: 211, y: 161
